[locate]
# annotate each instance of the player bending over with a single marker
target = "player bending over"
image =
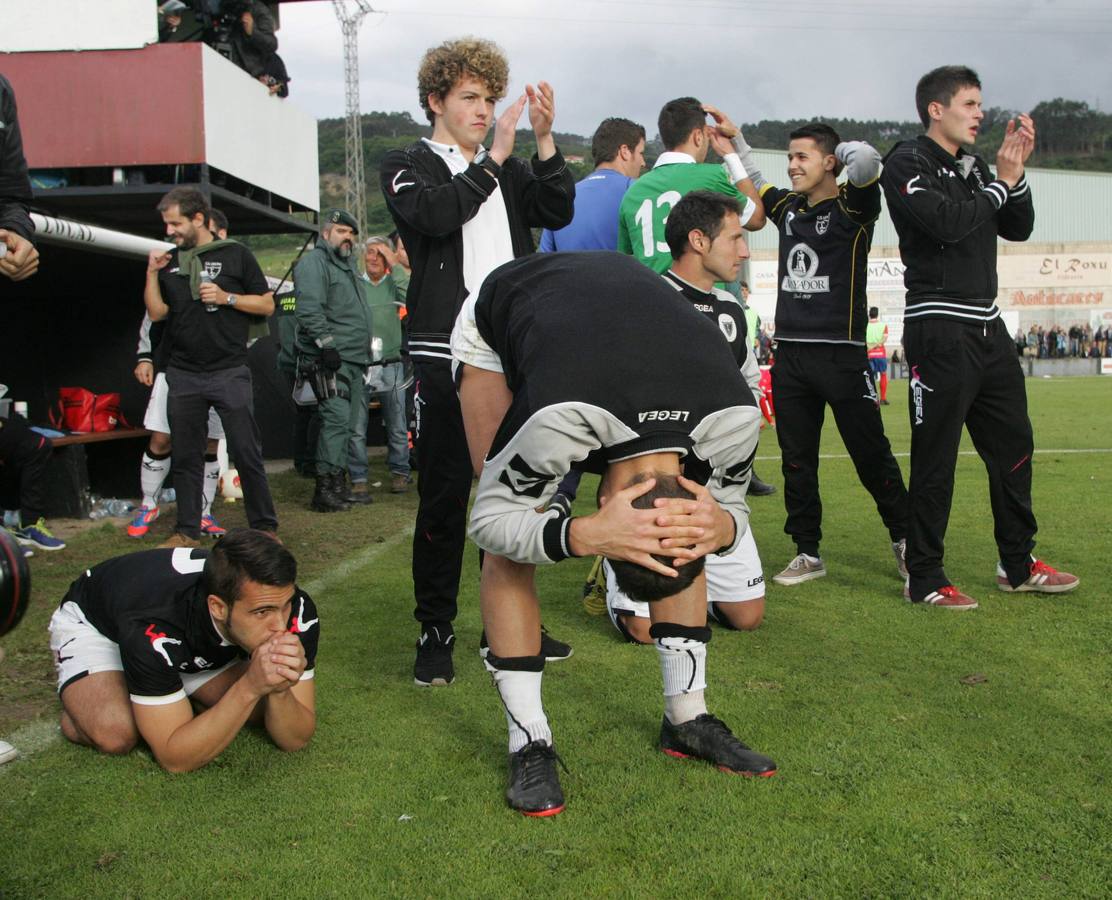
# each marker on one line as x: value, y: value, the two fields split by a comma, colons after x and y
x: 655, y: 394
x: 183, y: 647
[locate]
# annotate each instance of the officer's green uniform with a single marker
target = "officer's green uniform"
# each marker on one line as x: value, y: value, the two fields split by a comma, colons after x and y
x: 332, y: 311
x: 283, y: 327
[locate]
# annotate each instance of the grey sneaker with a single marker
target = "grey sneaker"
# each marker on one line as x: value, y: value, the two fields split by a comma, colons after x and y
x: 899, y: 550
x: 802, y: 568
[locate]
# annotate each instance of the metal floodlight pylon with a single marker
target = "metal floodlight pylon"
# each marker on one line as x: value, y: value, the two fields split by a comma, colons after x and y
x: 355, y: 199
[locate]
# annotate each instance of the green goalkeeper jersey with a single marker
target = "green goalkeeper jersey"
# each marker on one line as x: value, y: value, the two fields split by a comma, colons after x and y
x: 645, y: 207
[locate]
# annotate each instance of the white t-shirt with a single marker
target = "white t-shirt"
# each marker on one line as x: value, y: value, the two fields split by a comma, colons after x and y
x: 486, y: 236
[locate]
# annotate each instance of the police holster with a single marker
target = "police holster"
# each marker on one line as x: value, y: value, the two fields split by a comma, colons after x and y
x: 313, y: 383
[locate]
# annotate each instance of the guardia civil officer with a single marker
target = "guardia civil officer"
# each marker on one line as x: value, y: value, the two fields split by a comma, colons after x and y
x: 334, y: 331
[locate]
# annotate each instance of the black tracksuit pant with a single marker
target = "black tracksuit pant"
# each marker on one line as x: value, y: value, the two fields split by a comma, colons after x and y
x: 966, y: 373
x: 443, y: 486
x: 24, y: 457
x: 805, y: 379
x: 189, y: 396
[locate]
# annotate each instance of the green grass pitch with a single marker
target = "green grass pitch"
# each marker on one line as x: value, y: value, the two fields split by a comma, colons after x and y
x: 900, y: 776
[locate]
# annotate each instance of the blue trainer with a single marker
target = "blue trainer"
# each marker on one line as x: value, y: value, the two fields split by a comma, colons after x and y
x: 38, y: 535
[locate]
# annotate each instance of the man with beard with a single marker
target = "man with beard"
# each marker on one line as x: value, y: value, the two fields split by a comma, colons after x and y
x: 211, y: 290
x: 334, y: 331
x: 183, y: 647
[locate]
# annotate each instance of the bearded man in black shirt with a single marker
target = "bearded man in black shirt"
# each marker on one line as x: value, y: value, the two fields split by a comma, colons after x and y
x: 183, y: 647
x: 211, y: 290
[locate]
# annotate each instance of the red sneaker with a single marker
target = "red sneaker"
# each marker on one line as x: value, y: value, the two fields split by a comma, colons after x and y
x: 142, y: 522
x: 1044, y: 579
x: 946, y: 597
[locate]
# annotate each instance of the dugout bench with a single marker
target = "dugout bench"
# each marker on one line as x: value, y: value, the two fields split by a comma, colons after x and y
x: 105, y: 463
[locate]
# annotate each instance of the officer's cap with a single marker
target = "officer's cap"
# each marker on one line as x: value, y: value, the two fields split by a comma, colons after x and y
x: 340, y: 217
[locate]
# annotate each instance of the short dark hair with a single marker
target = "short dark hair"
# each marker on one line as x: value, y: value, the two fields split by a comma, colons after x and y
x: 188, y: 200
x: 645, y: 585
x: 939, y: 85
x: 819, y: 132
x: 825, y: 138
x: 678, y: 119
x: 218, y: 219
x: 611, y: 135
x: 873, y: 312
x: 244, y: 554
x: 702, y: 210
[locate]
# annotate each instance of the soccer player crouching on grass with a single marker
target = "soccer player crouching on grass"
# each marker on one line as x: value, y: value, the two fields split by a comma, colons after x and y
x: 707, y: 243
x: 590, y: 358
x: 182, y: 647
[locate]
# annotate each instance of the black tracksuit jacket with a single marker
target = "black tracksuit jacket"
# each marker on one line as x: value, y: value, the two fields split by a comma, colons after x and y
x: 948, y: 212
x: 430, y: 206
x: 15, y: 186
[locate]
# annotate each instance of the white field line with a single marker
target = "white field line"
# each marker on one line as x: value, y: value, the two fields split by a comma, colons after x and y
x: 36, y: 736
x: 353, y: 564
x: 1038, y: 452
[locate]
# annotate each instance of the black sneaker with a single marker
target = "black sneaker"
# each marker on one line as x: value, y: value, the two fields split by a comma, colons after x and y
x: 758, y: 488
x: 551, y: 649
x: 534, y: 788
x: 706, y: 737
x: 433, y: 667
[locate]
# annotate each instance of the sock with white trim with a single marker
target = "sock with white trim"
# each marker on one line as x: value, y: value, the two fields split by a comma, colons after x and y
x: 683, y: 667
x: 211, y: 480
x: 152, y: 475
x: 518, y: 680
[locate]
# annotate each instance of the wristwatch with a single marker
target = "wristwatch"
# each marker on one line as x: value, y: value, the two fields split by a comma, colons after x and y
x: 484, y: 161
x: 232, y: 299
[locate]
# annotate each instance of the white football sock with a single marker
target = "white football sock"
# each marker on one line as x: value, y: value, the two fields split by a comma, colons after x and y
x: 521, y: 697
x: 683, y: 666
x: 152, y: 475
x: 208, y: 486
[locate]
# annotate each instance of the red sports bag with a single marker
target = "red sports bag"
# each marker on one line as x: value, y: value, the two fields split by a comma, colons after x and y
x: 82, y: 411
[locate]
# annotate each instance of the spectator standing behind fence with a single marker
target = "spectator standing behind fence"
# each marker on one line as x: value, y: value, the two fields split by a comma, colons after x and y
x: 387, y: 282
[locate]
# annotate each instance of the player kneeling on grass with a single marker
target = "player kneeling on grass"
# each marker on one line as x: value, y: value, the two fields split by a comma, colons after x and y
x: 182, y: 647
x: 705, y: 236
x: 589, y: 358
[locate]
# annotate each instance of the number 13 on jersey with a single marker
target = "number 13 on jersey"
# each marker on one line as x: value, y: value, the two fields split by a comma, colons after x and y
x: 651, y: 219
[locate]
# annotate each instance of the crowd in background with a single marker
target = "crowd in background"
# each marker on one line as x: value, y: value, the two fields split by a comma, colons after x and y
x: 1056, y: 342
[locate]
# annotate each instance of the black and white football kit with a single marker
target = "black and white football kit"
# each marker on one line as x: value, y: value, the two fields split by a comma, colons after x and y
x: 821, y: 357
x: 146, y: 614
x: 949, y: 211
x: 670, y: 383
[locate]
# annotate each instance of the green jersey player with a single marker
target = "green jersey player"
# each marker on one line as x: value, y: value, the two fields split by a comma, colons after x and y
x: 679, y: 171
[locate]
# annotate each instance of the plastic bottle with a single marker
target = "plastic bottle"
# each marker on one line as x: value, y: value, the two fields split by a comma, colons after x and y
x: 117, y: 507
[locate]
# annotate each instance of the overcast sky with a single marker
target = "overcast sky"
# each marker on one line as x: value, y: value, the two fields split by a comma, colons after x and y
x: 756, y: 59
